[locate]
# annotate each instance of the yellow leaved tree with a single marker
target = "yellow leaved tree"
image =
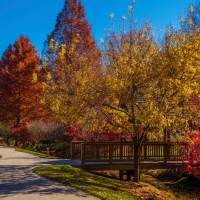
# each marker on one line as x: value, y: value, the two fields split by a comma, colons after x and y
x: 146, y: 86
x: 68, y: 84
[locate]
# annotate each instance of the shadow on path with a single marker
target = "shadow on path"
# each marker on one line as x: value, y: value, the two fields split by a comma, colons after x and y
x: 20, y: 179
x: 18, y: 182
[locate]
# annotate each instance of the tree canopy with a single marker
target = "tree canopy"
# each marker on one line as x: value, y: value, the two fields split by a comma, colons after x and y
x: 71, y: 60
x: 72, y: 33
x: 20, y: 85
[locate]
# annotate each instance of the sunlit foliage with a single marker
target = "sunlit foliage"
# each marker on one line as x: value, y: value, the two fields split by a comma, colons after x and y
x: 20, y: 86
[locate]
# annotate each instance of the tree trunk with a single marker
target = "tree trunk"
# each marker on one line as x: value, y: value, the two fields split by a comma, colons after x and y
x: 16, y: 143
x: 18, y: 121
x: 136, y: 164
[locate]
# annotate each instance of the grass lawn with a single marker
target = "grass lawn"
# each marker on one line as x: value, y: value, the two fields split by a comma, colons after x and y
x: 108, y: 187
x: 40, y: 155
x: 102, y: 187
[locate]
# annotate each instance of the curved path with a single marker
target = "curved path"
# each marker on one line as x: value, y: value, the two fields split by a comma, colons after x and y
x: 18, y: 182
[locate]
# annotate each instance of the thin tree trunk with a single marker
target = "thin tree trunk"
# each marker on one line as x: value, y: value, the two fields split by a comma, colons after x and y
x: 8, y: 143
x: 16, y: 143
x: 136, y: 164
x: 18, y: 121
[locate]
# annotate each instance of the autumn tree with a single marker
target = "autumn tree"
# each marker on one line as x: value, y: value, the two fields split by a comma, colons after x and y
x: 129, y: 104
x: 20, y: 85
x: 146, y: 88
x: 190, y: 20
x: 70, y: 55
x: 69, y: 95
x: 72, y: 32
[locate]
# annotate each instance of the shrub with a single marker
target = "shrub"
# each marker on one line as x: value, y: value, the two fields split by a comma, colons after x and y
x: 21, y: 135
x: 191, y: 154
x: 46, y: 133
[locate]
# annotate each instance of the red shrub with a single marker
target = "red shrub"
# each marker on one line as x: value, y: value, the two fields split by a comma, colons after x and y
x: 76, y: 134
x: 21, y: 135
x: 191, y: 154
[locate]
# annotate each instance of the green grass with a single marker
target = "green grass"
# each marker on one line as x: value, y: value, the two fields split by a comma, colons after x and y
x: 104, y: 188
x: 40, y: 155
x: 0, y: 156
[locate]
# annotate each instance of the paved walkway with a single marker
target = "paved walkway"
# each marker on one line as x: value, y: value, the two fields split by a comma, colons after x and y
x: 18, y: 182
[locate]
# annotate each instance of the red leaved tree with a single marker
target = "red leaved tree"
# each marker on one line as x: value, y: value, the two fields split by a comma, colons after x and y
x: 76, y: 134
x: 191, y: 147
x: 191, y: 154
x: 21, y: 90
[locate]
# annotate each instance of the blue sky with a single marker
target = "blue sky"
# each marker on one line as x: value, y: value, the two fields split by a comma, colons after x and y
x: 36, y: 18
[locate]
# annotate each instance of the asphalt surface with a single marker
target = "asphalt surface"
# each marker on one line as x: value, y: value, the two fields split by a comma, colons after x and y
x: 18, y: 182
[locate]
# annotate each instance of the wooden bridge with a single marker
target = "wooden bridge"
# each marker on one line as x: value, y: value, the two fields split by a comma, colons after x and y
x: 120, y: 155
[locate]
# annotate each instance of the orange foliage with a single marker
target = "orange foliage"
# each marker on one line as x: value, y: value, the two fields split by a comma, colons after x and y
x: 20, y: 87
x: 71, y: 28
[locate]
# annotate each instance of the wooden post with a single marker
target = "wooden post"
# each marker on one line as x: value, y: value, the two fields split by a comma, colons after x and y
x: 82, y: 153
x: 110, y: 154
x: 128, y: 174
x: 48, y: 153
x: 121, y: 175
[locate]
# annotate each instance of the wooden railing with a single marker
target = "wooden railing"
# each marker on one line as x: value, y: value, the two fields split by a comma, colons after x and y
x: 113, y: 152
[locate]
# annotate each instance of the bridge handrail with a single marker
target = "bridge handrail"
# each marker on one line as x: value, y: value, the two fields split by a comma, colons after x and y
x: 123, y: 151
